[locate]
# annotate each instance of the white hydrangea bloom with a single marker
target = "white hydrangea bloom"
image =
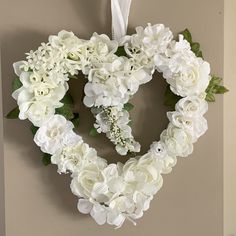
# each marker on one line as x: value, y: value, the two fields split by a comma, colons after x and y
x: 74, y: 157
x: 112, y: 84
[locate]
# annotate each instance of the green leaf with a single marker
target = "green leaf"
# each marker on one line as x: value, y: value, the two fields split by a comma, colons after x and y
x: 187, y: 35
x: 93, y: 132
x: 170, y: 99
x: 195, y: 47
x: 16, y: 84
x: 215, y: 87
x: 199, y: 54
x: 13, y: 114
x: 210, y: 97
x: 34, y: 129
x: 120, y: 51
x: 76, y: 120
x: 221, y: 89
x: 67, y: 99
x: 46, y: 159
x: 128, y: 106
x: 66, y: 111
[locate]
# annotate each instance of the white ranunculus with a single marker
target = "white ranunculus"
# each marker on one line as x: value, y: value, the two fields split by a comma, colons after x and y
x: 37, y: 112
x: 74, y: 158
x: 196, y: 125
x: 192, y: 105
x: 49, y: 137
x: 178, y: 142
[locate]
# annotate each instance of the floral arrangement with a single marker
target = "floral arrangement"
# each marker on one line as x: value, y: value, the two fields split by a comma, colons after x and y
x: 112, y: 193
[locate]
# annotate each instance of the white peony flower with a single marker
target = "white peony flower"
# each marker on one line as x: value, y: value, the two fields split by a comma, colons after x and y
x: 178, y: 142
x: 49, y: 137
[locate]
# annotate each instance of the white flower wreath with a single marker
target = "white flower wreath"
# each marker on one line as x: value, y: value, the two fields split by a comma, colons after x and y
x: 112, y: 193
x: 114, y: 70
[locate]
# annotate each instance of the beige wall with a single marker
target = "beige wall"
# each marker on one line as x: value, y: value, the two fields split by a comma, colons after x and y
x: 229, y: 119
x: 38, y: 200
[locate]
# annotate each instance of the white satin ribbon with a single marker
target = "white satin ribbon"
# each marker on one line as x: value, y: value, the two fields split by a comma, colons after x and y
x: 120, y: 14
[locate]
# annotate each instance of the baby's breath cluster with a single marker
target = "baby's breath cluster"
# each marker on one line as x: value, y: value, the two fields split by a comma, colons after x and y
x: 114, y: 122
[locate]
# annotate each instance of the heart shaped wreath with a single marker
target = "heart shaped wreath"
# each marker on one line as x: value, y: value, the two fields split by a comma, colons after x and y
x: 114, y: 70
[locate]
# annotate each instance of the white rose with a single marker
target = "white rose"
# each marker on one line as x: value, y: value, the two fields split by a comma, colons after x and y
x: 192, y: 105
x: 196, y: 125
x: 82, y: 185
x: 143, y: 175
x: 178, y: 142
x: 191, y: 78
x: 49, y: 137
x: 37, y: 112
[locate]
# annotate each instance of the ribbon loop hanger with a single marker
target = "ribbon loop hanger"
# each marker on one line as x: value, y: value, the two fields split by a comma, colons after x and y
x: 120, y: 13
